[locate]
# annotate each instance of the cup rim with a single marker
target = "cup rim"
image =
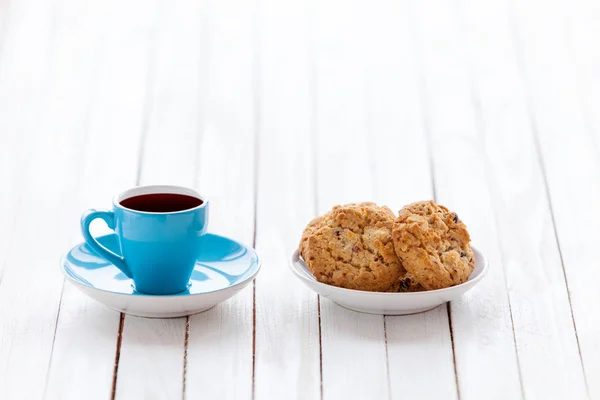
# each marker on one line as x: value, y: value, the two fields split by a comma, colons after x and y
x: 153, y: 189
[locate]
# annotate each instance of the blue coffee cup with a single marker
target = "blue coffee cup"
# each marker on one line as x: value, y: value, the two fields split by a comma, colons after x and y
x: 159, y: 248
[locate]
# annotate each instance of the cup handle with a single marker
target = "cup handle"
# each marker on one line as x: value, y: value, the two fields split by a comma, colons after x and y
x: 108, y: 217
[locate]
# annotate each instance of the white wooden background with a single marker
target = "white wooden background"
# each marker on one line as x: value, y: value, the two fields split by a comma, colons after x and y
x: 277, y: 110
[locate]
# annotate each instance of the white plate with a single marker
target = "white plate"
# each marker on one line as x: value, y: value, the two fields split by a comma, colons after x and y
x: 388, y: 303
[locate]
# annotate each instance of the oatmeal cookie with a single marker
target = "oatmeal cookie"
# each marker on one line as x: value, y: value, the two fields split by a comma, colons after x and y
x: 351, y: 247
x: 433, y: 245
x: 310, y: 229
x: 323, y: 220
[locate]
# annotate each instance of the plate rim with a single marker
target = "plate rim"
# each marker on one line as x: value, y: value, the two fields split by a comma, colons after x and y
x: 297, y: 259
x: 161, y: 296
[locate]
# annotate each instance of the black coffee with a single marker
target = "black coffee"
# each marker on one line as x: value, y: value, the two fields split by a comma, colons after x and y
x: 161, y: 202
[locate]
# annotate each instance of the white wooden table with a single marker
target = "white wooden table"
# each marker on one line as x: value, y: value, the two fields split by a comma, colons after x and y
x: 278, y: 110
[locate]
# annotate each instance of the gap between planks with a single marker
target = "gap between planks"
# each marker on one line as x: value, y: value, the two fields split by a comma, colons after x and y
x: 256, y: 82
x: 185, y: 353
x: 313, y: 93
x: 387, y: 356
x: 117, y: 356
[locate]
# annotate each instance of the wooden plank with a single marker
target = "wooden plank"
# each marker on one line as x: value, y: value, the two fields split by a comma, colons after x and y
x: 566, y: 131
x: 580, y: 30
x: 151, y: 362
x: 287, y: 322
x: 481, y: 320
x: 577, y: 248
x: 418, y: 346
x: 24, y: 70
x: 83, y: 359
x: 343, y: 169
x: 221, y: 339
x: 4, y: 12
x: 31, y: 284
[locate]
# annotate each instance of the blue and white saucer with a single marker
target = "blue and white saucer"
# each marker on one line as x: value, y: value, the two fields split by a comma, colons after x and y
x: 224, y: 268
